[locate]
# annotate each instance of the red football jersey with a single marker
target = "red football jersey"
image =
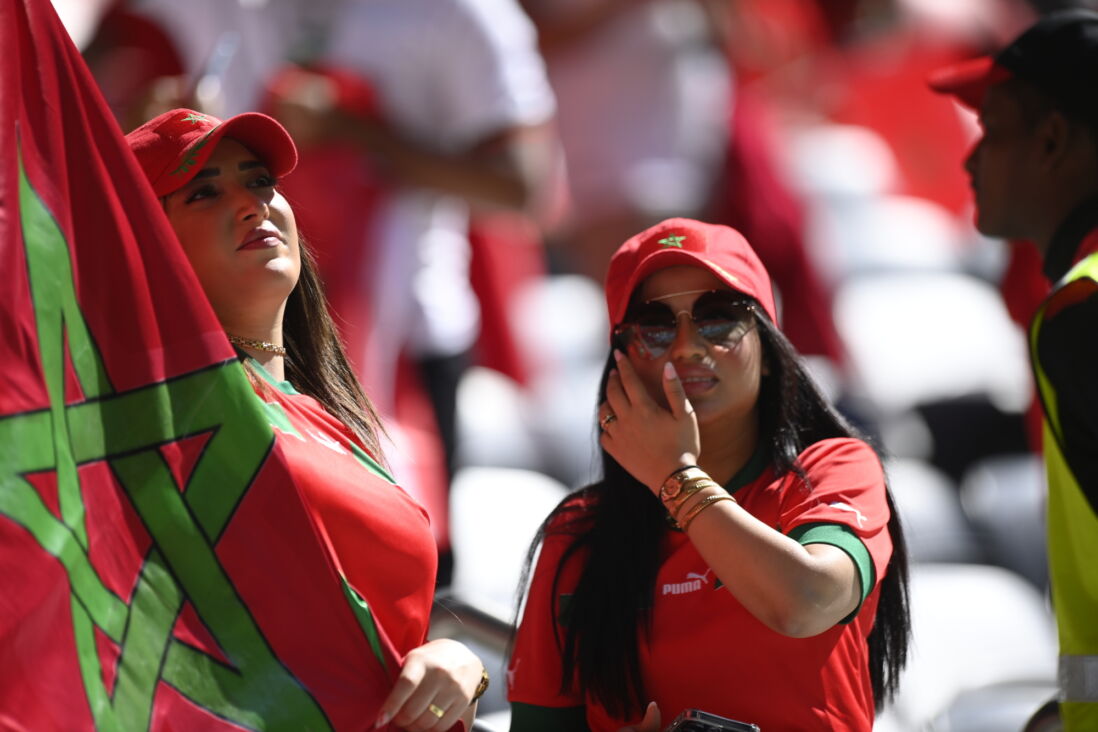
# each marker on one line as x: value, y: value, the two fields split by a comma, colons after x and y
x: 705, y: 650
x: 381, y: 536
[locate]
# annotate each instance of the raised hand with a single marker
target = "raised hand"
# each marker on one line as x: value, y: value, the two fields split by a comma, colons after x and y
x: 647, y: 439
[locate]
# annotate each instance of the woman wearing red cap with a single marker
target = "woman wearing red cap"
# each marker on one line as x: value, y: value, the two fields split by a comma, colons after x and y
x: 741, y: 555
x: 218, y: 184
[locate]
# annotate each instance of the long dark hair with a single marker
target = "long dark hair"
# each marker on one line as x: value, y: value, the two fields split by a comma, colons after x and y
x: 316, y: 363
x: 617, y: 524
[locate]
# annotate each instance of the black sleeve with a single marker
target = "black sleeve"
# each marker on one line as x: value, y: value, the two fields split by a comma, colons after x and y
x: 1067, y: 349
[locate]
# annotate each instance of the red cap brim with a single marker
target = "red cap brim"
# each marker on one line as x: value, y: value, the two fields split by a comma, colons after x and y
x: 664, y: 258
x: 719, y: 249
x: 969, y: 80
x: 261, y: 134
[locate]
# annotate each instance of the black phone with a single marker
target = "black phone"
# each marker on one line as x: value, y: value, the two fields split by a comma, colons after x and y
x: 695, y: 720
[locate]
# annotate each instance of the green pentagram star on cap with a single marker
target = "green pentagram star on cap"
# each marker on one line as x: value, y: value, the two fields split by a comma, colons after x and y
x: 193, y: 118
x: 672, y: 241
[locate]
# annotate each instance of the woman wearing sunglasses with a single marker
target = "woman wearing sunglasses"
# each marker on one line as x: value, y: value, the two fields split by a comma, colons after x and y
x: 741, y: 554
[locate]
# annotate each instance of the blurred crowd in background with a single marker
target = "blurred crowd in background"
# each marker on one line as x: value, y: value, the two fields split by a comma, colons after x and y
x: 468, y: 167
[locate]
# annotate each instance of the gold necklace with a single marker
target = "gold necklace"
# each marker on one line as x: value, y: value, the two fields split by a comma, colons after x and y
x: 257, y: 345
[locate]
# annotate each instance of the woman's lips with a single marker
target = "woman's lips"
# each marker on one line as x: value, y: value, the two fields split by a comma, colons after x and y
x: 261, y: 239
x: 694, y: 384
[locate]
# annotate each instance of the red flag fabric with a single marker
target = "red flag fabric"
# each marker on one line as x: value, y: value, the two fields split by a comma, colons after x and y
x: 159, y: 568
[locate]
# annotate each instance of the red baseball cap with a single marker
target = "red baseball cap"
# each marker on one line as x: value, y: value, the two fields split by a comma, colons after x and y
x: 174, y: 146
x: 969, y: 80
x: 720, y: 249
x: 1058, y: 54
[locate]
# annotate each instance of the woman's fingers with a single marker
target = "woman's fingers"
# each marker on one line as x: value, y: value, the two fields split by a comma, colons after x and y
x: 616, y: 397
x: 429, y: 704
x: 606, y: 415
x: 411, y: 676
x: 676, y: 395
x: 430, y: 709
x: 617, y: 405
x: 433, y: 689
x: 624, y: 389
x: 650, y: 722
x: 631, y: 383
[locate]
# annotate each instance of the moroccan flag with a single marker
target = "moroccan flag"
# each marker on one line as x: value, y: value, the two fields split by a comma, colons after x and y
x: 158, y: 568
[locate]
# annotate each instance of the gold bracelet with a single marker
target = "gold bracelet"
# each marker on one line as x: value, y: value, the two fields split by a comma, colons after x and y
x: 482, y: 686
x: 673, y: 512
x: 675, y: 482
x: 678, y: 507
x: 675, y: 504
x: 701, y: 506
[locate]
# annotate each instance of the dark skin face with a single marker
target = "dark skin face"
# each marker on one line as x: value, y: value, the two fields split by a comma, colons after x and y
x: 705, y: 411
x: 1006, y: 167
x: 721, y: 382
x: 1032, y: 167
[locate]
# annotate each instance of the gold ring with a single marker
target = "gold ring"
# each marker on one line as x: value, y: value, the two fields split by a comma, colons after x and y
x: 607, y: 420
x: 436, y: 710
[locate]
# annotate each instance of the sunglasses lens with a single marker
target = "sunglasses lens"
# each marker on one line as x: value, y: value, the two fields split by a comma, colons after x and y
x: 719, y: 320
x: 656, y: 338
x: 717, y: 306
x: 717, y: 331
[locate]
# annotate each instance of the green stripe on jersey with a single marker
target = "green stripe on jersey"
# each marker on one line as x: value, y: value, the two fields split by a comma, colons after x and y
x: 844, y: 538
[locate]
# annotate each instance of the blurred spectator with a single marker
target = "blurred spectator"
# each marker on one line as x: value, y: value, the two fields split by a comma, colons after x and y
x: 226, y: 49
x: 753, y: 197
x: 644, y: 98
x: 462, y: 120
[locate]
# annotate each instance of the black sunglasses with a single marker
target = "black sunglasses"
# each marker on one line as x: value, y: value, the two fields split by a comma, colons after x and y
x: 721, y: 317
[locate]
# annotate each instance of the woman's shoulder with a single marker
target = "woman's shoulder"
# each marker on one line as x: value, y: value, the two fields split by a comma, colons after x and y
x: 561, y: 546
x: 847, y: 467
x: 574, y: 515
x: 839, y: 450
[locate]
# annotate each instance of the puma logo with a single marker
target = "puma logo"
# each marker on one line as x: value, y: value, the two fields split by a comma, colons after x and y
x: 702, y: 577
x: 693, y: 583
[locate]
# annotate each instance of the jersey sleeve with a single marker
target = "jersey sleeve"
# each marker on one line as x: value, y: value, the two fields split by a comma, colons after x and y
x: 534, y: 672
x: 843, y: 504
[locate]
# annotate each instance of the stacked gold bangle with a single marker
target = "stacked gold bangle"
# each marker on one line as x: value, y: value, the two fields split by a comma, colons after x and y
x: 701, y: 506
x: 688, y: 489
x: 680, y: 486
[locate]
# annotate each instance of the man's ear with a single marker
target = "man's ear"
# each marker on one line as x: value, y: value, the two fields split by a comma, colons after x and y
x: 1056, y: 136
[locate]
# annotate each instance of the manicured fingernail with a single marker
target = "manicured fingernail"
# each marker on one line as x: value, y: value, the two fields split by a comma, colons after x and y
x: 382, y: 720
x: 618, y: 355
x: 669, y: 371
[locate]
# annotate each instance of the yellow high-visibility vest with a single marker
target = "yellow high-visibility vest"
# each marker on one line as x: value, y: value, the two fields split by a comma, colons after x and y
x: 1072, y: 530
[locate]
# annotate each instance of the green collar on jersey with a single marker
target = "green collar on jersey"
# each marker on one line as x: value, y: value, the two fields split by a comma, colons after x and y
x: 750, y: 471
x: 283, y: 386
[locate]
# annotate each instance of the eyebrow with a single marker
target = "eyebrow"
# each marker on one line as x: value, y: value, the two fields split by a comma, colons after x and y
x: 214, y: 172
